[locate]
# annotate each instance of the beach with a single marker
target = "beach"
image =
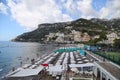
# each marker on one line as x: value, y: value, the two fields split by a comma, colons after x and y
x: 12, y: 54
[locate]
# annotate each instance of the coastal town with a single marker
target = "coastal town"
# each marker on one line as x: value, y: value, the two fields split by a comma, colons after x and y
x: 78, y: 36
x: 59, y: 39
x: 81, y: 56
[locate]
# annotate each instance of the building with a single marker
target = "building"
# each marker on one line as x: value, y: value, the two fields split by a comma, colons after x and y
x: 96, y: 37
x: 111, y: 37
x: 85, y: 37
x: 77, y: 36
x: 69, y: 37
x: 60, y: 37
x: 50, y: 36
x: 68, y: 27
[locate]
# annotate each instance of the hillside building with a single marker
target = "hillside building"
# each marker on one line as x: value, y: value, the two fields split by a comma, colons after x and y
x: 85, y: 37
x: 111, y: 37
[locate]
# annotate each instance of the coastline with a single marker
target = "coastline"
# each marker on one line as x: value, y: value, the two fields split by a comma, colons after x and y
x: 11, y: 51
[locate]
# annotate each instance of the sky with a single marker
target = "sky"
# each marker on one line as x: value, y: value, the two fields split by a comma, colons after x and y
x: 20, y: 16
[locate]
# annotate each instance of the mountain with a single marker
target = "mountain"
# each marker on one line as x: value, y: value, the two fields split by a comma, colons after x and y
x: 92, y: 27
x: 42, y: 30
x: 111, y: 24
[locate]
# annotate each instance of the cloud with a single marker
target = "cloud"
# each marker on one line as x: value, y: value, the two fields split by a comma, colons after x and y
x: 111, y: 10
x: 3, y: 8
x: 30, y: 13
x: 86, y: 9
x: 71, y: 7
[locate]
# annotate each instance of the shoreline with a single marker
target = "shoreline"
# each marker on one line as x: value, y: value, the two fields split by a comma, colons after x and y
x: 51, y: 59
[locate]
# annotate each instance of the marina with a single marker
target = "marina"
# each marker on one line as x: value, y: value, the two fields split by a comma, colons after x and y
x: 66, y: 63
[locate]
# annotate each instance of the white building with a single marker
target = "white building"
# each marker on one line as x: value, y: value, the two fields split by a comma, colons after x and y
x: 85, y: 37
x: 50, y: 36
x: 68, y: 27
x: 60, y: 37
x: 77, y: 35
x: 111, y: 37
x: 59, y: 34
x: 96, y: 37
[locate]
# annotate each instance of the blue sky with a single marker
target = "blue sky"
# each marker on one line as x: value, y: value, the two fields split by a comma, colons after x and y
x: 19, y: 16
x: 9, y: 28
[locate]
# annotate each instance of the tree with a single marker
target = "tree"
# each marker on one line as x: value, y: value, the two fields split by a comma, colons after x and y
x: 117, y: 43
x: 103, y: 36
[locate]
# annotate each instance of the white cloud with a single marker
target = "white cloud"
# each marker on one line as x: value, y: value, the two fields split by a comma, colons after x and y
x: 86, y: 9
x: 30, y: 13
x: 70, y: 6
x: 3, y: 8
x: 111, y: 10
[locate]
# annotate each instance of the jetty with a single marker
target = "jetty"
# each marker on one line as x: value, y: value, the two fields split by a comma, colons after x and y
x: 67, y: 63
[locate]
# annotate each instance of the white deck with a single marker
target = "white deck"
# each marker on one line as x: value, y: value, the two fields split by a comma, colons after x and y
x: 27, y: 72
x: 82, y: 65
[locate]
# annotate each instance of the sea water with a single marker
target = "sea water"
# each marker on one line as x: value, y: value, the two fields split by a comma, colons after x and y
x: 15, y: 54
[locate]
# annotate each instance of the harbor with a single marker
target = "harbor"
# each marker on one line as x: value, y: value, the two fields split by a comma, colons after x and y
x: 66, y: 63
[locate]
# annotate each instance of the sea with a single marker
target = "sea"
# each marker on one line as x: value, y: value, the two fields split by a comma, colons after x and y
x: 15, y: 54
